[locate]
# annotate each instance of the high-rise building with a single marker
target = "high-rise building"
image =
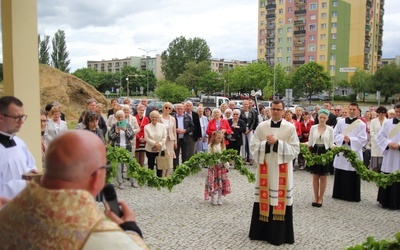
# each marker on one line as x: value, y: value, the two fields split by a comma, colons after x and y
x: 342, y: 35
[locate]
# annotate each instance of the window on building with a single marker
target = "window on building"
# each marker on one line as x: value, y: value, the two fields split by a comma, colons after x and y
x: 289, y: 30
x: 311, y: 47
x: 333, y: 46
x: 262, y: 4
x: 312, y: 37
x: 334, y: 24
x: 261, y: 51
x: 323, y: 26
x: 324, y: 5
x: 290, y: 10
x: 262, y: 13
x: 262, y: 23
x: 279, y: 49
x: 322, y: 47
x: 280, y: 40
x: 333, y: 57
x: 280, y: 11
x: 280, y: 1
x: 289, y: 39
x: 290, y: 1
x: 323, y: 36
x: 279, y: 59
x: 262, y: 32
x: 334, y: 13
x: 289, y: 20
x: 262, y: 41
x: 311, y: 58
x: 280, y: 31
x: 289, y: 59
x: 289, y: 49
x: 335, y: 3
x: 332, y: 67
x: 313, y: 17
x: 313, y: 6
x: 323, y: 15
x: 312, y: 27
x: 333, y: 35
x: 322, y: 57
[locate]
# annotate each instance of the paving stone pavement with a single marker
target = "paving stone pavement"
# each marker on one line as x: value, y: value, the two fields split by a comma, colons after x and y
x: 182, y: 219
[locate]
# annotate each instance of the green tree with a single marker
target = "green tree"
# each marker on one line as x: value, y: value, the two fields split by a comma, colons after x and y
x: 210, y: 82
x: 310, y: 79
x: 181, y: 51
x: 387, y: 80
x: 192, y: 74
x: 361, y: 83
x: 89, y: 75
x: 172, y: 92
x: 44, y: 56
x: 59, y: 56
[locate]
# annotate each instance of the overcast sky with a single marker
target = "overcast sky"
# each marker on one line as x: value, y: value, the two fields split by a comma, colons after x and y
x: 100, y: 29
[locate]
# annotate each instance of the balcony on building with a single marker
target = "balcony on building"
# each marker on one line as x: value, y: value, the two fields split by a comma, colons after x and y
x: 299, y: 43
x: 271, y: 34
x: 298, y: 62
x: 379, y: 52
x: 367, y: 50
x: 367, y: 17
x: 270, y: 45
x: 369, y: 3
x: 270, y: 6
x: 367, y: 36
x: 299, y: 32
x: 381, y: 11
x: 300, y: 2
x: 366, y: 61
x: 380, y: 43
x: 367, y: 27
x: 299, y: 53
x: 299, y: 23
x: 271, y: 16
x: 300, y: 12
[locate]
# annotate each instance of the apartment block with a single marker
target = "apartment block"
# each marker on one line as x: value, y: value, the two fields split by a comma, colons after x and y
x: 342, y: 35
x: 142, y: 63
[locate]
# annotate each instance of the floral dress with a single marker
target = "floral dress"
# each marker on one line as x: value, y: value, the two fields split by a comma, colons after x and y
x: 217, y: 176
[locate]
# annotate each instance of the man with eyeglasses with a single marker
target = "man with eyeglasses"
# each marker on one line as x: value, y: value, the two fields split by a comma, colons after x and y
x: 274, y: 145
x: 15, y: 158
x: 63, y: 207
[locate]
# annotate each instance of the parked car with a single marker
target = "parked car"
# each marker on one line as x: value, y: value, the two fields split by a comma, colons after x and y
x: 238, y: 104
x: 194, y: 100
x: 266, y: 104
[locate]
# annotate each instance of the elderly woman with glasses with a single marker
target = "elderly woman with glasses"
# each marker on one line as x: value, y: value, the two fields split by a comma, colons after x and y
x: 55, y: 125
x: 121, y: 134
x: 170, y: 125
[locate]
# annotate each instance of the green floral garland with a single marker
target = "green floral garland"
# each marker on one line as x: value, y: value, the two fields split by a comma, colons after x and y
x: 194, y: 165
x: 372, y: 244
x: 382, y: 180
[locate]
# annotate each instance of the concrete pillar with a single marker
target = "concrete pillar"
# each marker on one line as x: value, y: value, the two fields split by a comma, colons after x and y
x: 21, y: 66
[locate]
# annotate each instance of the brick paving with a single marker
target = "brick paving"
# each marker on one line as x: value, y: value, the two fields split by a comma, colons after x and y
x: 181, y: 219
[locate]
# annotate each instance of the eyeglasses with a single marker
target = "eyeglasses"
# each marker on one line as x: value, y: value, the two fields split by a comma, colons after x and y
x: 337, y: 109
x: 167, y: 108
x: 44, y: 121
x: 20, y: 118
x: 106, y: 167
x: 235, y: 114
x: 277, y: 110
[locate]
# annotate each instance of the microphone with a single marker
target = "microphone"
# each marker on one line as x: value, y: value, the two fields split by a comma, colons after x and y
x: 111, y: 198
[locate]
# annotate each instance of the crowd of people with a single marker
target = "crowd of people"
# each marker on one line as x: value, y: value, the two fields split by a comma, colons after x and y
x: 269, y: 137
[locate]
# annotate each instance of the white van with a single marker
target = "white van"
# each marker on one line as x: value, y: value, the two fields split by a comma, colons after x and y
x: 213, y: 101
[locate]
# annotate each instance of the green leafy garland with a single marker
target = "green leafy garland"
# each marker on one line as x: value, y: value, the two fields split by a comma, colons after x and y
x: 382, y: 180
x: 194, y: 165
x: 372, y: 244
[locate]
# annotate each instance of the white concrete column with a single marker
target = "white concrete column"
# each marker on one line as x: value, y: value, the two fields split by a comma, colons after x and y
x: 21, y: 66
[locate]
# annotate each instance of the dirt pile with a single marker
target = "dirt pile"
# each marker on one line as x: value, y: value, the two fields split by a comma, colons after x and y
x: 68, y: 90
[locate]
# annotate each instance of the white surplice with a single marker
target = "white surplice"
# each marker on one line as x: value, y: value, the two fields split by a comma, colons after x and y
x: 391, y: 157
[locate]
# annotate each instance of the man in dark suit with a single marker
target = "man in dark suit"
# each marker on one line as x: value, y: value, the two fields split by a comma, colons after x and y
x: 184, y: 126
x: 196, y: 134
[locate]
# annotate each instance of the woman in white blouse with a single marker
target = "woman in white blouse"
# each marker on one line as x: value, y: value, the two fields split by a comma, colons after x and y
x: 55, y: 125
x: 155, y: 135
x: 320, y: 140
x: 170, y: 125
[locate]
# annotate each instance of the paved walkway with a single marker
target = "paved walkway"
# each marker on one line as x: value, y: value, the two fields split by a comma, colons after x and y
x: 181, y: 219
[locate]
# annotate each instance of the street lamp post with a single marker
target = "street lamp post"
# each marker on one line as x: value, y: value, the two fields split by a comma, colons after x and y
x: 127, y: 81
x: 147, y: 74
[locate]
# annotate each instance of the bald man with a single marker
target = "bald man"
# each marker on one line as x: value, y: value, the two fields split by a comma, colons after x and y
x: 62, y: 210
